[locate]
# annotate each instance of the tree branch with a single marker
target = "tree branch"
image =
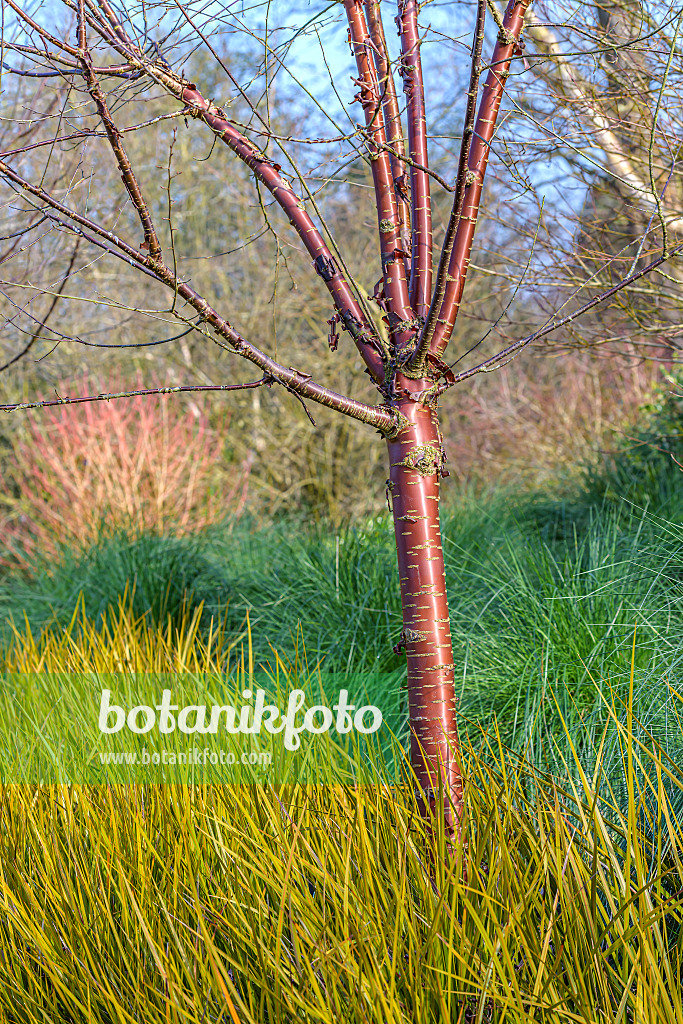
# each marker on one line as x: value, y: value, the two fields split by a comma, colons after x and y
x: 268, y: 172
x: 151, y: 242
x: 43, y: 323
x: 617, y: 160
x: 463, y: 182
x: 495, y: 362
x: 393, y: 257
x: 485, y: 126
x: 392, y: 115
x: 42, y: 32
x: 87, y: 135
x: 420, y: 199
x: 49, y: 403
x: 381, y: 417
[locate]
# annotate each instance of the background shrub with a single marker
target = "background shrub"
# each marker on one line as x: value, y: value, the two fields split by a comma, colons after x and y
x: 139, y: 464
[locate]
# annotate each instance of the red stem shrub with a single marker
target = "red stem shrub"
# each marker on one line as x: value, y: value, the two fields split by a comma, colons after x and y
x: 141, y: 463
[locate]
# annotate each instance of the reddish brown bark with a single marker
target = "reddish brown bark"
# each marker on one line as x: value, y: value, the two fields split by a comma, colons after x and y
x: 393, y: 258
x: 294, y: 380
x: 485, y: 126
x: 416, y: 462
x: 420, y: 198
x: 268, y: 173
x: 407, y: 415
x: 344, y: 299
x: 417, y: 361
x: 416, y: 456
x: 392, y: 117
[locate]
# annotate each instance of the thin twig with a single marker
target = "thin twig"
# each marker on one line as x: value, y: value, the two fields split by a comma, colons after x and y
x: 383, y: 418
x: 650, y: 149
x: 43, y: 324
x: 90, y: 134
x: 482, y: 134
x: 151, y: 242
x: 22, y: 406
x: 405, y: 159
x: 350, y: 309
x: 495, y: 362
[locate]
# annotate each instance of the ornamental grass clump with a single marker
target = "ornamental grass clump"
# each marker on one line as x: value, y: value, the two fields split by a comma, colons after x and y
x: 282, y: 903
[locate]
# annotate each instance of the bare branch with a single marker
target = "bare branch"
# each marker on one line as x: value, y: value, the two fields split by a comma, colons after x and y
x: 43, y: 324
x: 495, y: 362
x: 401, y: 158
x: 492, y: 94
x: 400, y: 314
x: 268, y: 172
x: 41, y: 30
x: 151, y: 242
x: 49, y: 403
x: 463, y: 182
x: 618, y: 161
x: 420, y: 199
x: 75, y: 136
x: 392, y: 116
x: 381, y: 417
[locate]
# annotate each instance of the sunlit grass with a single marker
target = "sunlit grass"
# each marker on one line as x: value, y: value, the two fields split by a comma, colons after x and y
x: 181, y: 903
x: 54, y: 685
x: 124, y: 642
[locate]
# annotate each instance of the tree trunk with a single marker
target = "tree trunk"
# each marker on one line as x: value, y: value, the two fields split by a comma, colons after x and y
x: 416, y: 462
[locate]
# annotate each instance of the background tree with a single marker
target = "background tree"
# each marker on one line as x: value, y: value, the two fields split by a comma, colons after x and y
x: 602, y: 86
x: 154, y: 95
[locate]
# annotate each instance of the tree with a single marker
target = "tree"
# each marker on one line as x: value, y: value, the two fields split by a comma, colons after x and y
x: 603, y: 91
x: 110, y: 74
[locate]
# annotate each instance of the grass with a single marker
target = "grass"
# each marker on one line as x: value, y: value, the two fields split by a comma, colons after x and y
x: 278, y: 902
x: 536, y: 617
x: 260, y: 903
x: 160, y: 574
x: 54, y: 686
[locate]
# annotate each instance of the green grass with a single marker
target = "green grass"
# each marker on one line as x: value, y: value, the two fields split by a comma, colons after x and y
x: 536, y: 619
x: 544, y: 595
x: 278, y: 903
x: 54, y: 686
x: 275, y: 902
x: 162, y: 575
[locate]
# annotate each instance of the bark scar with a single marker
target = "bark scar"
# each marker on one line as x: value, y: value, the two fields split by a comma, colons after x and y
x: 409, y: 636
x: 426, y: 459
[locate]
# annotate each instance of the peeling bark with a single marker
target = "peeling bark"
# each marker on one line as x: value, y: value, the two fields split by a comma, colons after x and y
x: 416, y: 463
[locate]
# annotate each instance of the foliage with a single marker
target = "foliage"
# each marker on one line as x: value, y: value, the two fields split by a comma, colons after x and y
x: 120, y: 641
x: 647, y: 461
x: 638, y: 466
x: 537, y: 618
x: 164, y: 576
x: 538, y: 422
x: 321, y: 902
x: 547, y: 619
x: 51, y: 687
